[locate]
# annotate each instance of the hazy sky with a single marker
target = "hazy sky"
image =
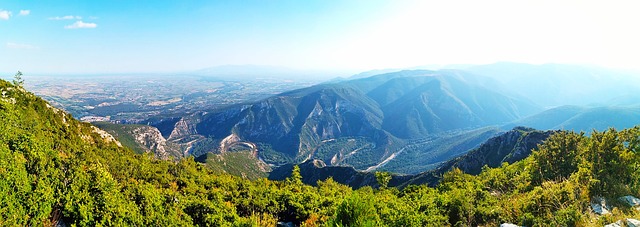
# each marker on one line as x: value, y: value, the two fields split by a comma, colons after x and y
x: 155, y: 36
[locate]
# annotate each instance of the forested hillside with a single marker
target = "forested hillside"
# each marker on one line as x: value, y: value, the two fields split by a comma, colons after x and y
x: 54, y: 169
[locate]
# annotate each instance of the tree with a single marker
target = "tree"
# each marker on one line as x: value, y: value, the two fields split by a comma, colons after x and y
x: 557, y: 158
x: 383, y: 179
x: 295, y: 177
x: 17, y: 79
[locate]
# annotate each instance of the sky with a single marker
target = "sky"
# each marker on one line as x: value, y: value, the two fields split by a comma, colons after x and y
x: 73, y: 36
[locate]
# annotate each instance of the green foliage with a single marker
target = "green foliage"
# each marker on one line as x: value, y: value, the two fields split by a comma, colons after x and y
x: 383, y: 179
x: 17, y: 79
x: 53, y: 168
x: 556, y: 159
x: 357, y: 210
x: 295, y: 178
x: 240, y: 163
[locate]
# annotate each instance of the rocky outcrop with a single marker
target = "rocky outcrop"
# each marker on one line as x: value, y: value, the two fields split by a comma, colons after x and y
x: 599, y: 206
x: 152, y: 140
x: 508, y: 225
x: 615, y: 224
x: 183, y: 127
x: 632, y: 222
x: 139, y: 138
x: 105, y: 135
x: 630, y: 200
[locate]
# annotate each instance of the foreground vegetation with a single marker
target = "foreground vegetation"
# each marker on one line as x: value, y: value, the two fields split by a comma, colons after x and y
x: 54, y: 168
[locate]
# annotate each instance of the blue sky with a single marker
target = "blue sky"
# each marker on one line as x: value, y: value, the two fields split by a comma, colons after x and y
x: 98, y: 36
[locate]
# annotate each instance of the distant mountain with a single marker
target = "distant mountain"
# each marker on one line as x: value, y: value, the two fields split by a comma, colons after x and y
x: 374, y: 72
x: 583, y: 118
x: 628, y: 100
x: 371, y: 118
x: 558, y: 84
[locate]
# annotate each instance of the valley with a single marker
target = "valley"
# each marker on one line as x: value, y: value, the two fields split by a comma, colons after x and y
x: 404, y: 122
x: 134, y: 98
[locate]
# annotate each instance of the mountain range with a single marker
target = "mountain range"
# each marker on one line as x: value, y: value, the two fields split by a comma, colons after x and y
x: 373, y: 120
x: 579, y: 118
x: 406, y: 121
x: 552, y: 85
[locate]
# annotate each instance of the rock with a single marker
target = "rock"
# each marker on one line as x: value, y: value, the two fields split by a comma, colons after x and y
x: 615, y: 224
x: 182, y: 128
x: 633, y: 222
x: 151, y: 139
x: 285, y: 224
x: 319, y: 163
x: 508, y: 225
x: 106, y: 136
x: 599, y: 206
x: 630, y: 200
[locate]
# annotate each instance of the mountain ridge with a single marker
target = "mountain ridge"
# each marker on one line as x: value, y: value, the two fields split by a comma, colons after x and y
x: 295, y: 123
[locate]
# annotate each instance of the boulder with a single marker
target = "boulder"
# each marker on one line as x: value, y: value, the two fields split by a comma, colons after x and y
x: 630, y: 200
x: 599, y: 206
x: 615, y: 224
x: 285, y: 224
x: 633, y: 222
x: 508, y: 225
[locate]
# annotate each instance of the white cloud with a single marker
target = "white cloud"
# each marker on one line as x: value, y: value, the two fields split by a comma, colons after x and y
x: 4, y: 15
x: 24, y: 12
x: 80, y: 24
x: 21, y: 46
x: 68, y: 17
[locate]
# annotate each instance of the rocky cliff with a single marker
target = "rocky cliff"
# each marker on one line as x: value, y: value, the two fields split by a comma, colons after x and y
x: 142, y: 139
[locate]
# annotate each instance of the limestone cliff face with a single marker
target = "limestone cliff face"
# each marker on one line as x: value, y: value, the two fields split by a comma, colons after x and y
x: 105, y: 135
x: 152, y: 140
x: 183, y: 127
x: 139, y: 138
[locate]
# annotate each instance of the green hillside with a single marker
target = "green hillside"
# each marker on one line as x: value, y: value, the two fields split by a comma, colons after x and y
x: 121, y: 133
x: 55, y: 169
x: 240, y: 163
